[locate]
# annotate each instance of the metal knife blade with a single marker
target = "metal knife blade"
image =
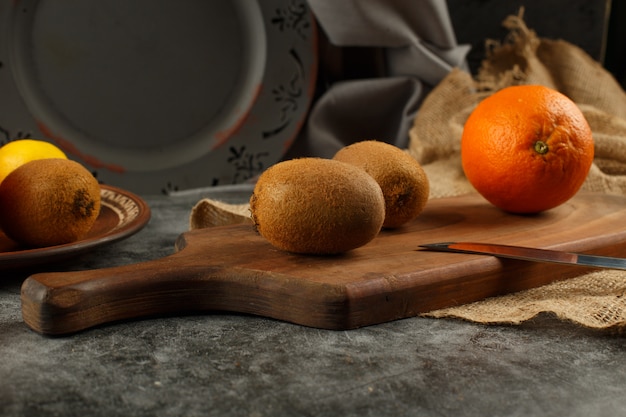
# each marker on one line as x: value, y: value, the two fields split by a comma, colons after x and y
x: 529, y: 254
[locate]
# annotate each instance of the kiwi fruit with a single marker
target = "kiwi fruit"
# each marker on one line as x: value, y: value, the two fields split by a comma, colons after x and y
x: 404, y: 183
x: 49, y: 202
x: 317, y: 206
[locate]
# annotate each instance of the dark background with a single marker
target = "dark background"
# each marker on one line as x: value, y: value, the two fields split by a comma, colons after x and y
x: 597, y: 26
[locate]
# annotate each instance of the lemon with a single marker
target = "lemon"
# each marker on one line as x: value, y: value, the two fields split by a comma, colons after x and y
x: 17, y: 153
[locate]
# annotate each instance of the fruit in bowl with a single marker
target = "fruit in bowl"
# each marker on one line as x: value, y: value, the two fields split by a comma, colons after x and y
x: 16, y: 153
x: 48, y: 201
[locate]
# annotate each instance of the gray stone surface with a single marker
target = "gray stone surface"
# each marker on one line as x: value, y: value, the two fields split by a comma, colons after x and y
x: 226, y: 364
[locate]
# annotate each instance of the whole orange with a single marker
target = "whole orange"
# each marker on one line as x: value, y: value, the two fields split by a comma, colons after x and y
x: 527, y: 148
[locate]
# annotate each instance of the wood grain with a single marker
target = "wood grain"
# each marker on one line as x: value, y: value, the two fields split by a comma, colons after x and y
x: 234, y: 269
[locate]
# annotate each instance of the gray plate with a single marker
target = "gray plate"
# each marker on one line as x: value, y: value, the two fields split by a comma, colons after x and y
x: 159, y: 95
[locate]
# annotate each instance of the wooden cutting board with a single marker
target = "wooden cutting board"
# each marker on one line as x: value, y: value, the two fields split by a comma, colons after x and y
x: 232, y: 268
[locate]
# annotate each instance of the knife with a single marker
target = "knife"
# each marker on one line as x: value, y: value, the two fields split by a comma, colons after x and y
x: 529, y: 254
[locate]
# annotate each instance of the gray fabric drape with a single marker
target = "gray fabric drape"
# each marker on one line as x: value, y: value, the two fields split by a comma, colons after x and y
x: 420, y: 50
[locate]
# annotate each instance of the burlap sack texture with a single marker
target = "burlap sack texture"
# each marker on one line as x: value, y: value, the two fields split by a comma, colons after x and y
x: 596, y: 300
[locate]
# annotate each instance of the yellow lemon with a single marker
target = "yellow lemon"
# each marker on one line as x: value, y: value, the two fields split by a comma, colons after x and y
x: 17, y: 153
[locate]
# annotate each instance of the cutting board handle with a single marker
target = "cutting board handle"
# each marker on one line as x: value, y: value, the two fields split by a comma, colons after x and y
x: 67, y: 302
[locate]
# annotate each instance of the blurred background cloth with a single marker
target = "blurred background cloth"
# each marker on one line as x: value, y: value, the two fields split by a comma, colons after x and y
x: 411, y: 46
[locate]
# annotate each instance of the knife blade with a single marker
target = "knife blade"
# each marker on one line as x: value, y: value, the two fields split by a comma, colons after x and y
x: 529, y: 254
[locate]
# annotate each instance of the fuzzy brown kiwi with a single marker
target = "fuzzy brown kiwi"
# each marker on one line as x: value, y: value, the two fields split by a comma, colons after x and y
x: 317, y: 206
x: 49, y: 202
x: 401, y: 178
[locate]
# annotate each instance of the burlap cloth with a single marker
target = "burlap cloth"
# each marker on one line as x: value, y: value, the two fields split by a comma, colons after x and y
x: 596, y: 300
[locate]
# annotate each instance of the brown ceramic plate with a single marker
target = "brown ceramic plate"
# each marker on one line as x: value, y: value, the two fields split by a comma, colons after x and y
x: 122, y: 214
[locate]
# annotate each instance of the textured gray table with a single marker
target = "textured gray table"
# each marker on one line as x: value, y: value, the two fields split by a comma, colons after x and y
x: 237, y: 365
